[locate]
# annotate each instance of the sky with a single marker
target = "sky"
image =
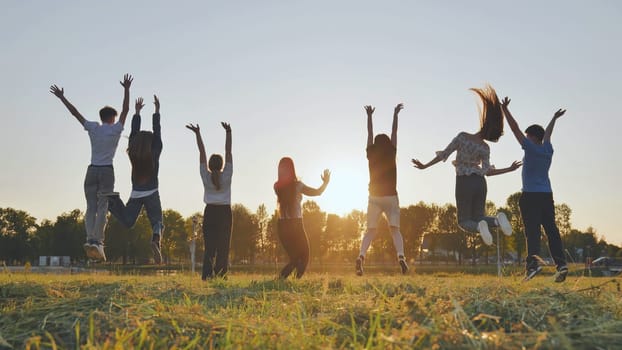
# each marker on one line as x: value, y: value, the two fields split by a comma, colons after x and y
x: 292, y: 78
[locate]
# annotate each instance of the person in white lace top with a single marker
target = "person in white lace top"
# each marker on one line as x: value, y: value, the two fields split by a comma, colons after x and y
x: 472, y: 164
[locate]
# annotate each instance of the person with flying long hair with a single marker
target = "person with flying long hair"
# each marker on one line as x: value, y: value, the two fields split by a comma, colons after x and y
x: 536, y: 201
x: 289, y: 190
x: 383, y: 199
x: 144, y: 150
x: 217, y: 198
x: 472, y: 164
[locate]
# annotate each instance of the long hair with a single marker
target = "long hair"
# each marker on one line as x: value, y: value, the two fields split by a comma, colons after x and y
x: 383, y: 145
x: 491, y: 118
x: 139, y: 151
x: 215, y: 166
x: 285, y: 186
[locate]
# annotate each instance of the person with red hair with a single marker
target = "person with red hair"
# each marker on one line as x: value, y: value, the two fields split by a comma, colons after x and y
x: 289, y: 190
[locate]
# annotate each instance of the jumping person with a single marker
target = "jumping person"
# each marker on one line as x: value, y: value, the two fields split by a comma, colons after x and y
x: 381, y: 154
x: 144, y: 149
x: 536, y: 202
x: 99, y: 177
x: 217, y: 198
x: 289, y: 190
x: 472, y: 164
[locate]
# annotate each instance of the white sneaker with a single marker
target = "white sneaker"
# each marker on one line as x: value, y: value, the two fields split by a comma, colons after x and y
x: 504, y: 224
x: 482, y: 226
x: 99, y: 249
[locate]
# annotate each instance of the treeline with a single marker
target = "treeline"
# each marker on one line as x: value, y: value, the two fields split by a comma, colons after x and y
x: 430, y: 233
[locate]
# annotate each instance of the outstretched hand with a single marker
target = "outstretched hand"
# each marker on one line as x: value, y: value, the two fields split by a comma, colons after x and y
x: 127, y: 81
x: 505, y: 102
x: 325, y: 176
x: 559, y: 113
x: 226, y: 126
x: 58, y: 92
x: 417, y: 164
x: 398, y: 108
x: 194, y: 128
x: 139, y: 105
x: 516, y: 164
x: 156, y: 102
x: 370, y: 110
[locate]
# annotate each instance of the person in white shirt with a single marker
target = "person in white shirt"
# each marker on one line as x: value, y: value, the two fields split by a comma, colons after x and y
x: 291, y: 231
x: 99, y: 178
x: 217, y: 198
x: 472, y: 164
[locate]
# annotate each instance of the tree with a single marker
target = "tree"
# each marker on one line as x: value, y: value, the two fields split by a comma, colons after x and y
x: 562, y: 218
x: 415, y: 222
x: 244, y: 234
x: 175, y: 237
x: 512, y: 210
x: 263, y: 219
x: 17, y: 228
x: 314, y: 220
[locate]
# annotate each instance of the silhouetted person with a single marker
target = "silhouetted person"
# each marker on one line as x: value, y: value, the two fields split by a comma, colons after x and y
x: 99, y: 177
x: 289, y: 191
x: 472, y: 164
x: 383, y: 199
x: 217, y: 198
x: 144, y: 149
x: 536, y: 202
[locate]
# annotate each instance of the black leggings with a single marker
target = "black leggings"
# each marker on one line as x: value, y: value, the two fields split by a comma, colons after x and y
x: 217, y: 239
x: 294, y: 239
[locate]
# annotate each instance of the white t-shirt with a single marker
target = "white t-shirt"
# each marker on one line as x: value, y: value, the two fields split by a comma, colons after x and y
x: 211, y: 195
x: 104, y: 141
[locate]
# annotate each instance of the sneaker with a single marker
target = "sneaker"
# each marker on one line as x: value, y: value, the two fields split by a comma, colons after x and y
x: 155, y: 247
x: 560, y: 275
x: 482, y: 227
x: 504, y: 224
x: 90, y: 250
x: 107, y: 194
x: 359, y: 265
x: 403, y: 265
x: 532, y: 272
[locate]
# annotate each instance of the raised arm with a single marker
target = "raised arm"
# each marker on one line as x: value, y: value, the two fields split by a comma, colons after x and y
x: 157, y: 132
x: 126, y: 83
x: 441, y: 155
x: 549, y: 128
x: 370, y: 125
x: 515, y: 165
x: 60, y: 93
x: 228, y: 156
x: 396, y: 111
x: 309, y: 191
x: 138, y: 106
x: 197, y: 132
x: 511, y: 121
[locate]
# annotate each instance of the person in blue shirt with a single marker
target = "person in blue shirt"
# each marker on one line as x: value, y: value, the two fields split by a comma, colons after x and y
x: 536, y: 202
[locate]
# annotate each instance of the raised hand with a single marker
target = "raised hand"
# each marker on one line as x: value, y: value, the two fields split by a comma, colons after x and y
x: 505, y: 102
x: 139, y: 105
x: 58, y: 92
x: 417, y: 164
x: 559, y: 113
x: 325, y: 176
x: 516, y: 164
x: 370, y: 110
x: 194, y: 128
x: 127, y: 81
x: 156, y: 102
x: 226, y: 126
x: 398, y: 108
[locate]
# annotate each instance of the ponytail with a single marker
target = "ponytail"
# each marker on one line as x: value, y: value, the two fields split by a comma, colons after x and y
x: 215, y: 166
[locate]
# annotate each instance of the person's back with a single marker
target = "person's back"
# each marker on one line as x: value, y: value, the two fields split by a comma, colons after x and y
x: 536, y: 164
x: 382, y: 170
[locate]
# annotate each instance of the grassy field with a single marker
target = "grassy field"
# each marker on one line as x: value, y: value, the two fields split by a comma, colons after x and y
x: 254, y: 311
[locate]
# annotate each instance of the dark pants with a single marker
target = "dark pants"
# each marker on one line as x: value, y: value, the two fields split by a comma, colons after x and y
x: 294, y: 239
x: 471, y: 193
x: 127, y: 214
x: 217, y: 238
x: 538, y: 209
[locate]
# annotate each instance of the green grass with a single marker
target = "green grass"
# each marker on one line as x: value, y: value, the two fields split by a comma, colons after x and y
x: 250, y: 311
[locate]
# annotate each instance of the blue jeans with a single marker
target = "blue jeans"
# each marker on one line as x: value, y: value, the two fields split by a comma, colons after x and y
x: 471, y: 193
x: 97, y: 179
x: 127, y: 214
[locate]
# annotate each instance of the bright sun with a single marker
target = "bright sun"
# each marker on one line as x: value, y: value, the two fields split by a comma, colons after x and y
x: 347, y: 191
